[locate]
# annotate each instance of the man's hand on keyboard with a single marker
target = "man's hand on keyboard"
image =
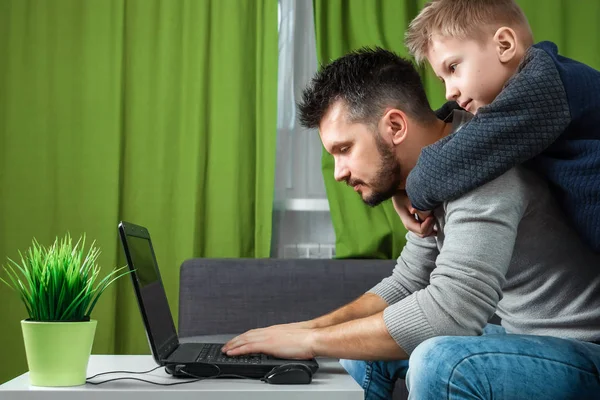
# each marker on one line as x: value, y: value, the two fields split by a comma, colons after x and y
x: 283, y: 341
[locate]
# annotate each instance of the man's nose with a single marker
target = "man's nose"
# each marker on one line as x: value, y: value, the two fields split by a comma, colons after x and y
x: 340, y: 172
x: 451, y: 92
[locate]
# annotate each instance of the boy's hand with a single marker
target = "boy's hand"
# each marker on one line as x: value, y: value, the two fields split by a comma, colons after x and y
x: 421, y: 223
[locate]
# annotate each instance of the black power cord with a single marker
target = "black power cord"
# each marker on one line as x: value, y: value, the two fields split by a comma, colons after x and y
x: 219, y: 375
x: 124, y: 372
x: 196, y: 378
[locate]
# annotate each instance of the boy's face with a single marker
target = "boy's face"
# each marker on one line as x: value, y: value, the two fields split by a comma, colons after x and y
x: 362, y: 158
x: 471, y: 71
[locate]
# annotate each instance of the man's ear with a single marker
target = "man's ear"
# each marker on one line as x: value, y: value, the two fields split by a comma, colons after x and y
x: 395, y: 125
x: 506, y: 42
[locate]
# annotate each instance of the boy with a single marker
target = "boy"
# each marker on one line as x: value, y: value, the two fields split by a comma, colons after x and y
x: 530, y: 104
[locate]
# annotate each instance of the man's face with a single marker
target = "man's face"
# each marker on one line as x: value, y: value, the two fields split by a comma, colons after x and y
x: 471, y: 70
x: 362, y: 158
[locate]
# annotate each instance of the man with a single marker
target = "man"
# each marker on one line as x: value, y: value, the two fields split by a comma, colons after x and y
x: 503, y: 248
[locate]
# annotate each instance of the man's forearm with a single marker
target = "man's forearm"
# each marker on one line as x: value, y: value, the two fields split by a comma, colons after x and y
x: 365, y: 306
x: 359, y: 339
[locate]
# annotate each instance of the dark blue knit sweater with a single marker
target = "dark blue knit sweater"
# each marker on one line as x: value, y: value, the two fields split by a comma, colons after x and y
x: 548, y: 115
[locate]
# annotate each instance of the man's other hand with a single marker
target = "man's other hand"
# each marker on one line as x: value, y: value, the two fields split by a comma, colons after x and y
x: 421, y: 223
x: 284, y: 341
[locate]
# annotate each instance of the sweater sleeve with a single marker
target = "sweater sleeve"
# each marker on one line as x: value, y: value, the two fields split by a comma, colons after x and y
x: 466, y: 285
x: 412, y: 269
x: 529, y: 114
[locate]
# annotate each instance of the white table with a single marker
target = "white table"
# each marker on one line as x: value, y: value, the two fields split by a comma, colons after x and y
x: 330, y: 382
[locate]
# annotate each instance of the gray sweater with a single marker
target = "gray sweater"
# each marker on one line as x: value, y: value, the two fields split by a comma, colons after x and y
x: 503, y: 248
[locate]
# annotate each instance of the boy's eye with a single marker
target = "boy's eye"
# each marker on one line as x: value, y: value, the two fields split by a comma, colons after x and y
x: 344, y: 149
x: 452, y: 67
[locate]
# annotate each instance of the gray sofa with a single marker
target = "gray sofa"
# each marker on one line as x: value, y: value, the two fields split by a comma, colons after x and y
x: 230, y: 296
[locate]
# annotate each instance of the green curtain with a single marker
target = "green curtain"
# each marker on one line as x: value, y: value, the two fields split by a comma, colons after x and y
x: 345, y: 25
x: 572, y: 25
x: 161, y: 113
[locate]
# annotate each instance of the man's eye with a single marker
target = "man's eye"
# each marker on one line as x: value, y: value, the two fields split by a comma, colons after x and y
x: 344, y: 149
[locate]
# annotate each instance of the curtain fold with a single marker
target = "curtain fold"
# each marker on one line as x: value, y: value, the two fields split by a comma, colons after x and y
x: 205, y: 92
x: 60, y: 133
x: 161, y: 113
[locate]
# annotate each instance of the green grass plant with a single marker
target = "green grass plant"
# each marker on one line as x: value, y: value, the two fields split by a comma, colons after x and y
x: 57, y: 283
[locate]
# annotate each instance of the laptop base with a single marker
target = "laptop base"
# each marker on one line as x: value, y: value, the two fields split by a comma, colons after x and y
x: 201, y: 370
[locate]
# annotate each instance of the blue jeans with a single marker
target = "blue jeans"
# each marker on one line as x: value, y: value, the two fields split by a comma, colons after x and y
x: 495, y: 365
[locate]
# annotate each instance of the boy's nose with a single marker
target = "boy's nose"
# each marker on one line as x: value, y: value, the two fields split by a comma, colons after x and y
x: 452, y: 93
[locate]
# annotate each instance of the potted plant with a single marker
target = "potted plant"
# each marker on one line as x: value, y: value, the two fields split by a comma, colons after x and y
x: 59, y: 287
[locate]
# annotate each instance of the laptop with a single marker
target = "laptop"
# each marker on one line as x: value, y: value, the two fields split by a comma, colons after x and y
x: 182, y: 359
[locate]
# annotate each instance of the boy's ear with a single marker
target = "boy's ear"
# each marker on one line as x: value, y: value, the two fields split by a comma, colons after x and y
x: 395, y: 125
x: 505, y: 40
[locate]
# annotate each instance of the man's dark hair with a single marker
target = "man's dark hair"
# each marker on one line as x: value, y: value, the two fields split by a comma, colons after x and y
x: 367, y: 80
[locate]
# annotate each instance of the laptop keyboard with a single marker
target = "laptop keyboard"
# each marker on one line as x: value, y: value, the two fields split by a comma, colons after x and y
x: 211, y: 353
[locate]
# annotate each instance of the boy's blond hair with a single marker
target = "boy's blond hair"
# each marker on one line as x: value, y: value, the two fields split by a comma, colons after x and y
x: 464, y: 19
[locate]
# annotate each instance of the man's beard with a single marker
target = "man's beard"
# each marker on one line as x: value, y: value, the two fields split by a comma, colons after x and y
x: 388, y: 179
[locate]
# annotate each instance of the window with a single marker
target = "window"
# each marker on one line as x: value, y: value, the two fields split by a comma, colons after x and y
x: 301, y: 222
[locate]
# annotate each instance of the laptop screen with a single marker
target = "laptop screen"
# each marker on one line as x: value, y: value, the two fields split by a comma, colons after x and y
x: 158, y: 319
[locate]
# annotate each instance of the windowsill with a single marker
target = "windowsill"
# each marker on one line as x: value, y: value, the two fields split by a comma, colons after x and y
x: 302, y: 205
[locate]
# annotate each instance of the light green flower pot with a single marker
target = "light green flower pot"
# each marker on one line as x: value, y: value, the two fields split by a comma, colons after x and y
x: 58, y: 352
